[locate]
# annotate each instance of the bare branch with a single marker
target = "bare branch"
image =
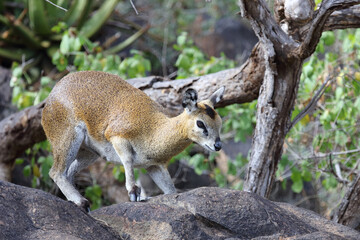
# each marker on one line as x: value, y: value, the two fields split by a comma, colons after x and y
x: 265, y: 26
x: 56, y: 5
x: 317, y: 25
x: 311, y: 104
x: 337, y: 174
x: 133, y: 6
x: 326, y: 155
x: 345, y: 18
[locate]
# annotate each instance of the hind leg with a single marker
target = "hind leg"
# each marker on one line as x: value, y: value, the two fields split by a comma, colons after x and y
x: 65, y: 152
x: 83, y: 159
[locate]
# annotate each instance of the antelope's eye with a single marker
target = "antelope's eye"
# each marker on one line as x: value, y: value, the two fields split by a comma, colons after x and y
x: 200, y: 124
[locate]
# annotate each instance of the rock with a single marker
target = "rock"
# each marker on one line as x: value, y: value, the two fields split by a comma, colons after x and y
x: 229, y: 35
x: 27, y: 213
x: 203, y: 213
x: 214, y: 213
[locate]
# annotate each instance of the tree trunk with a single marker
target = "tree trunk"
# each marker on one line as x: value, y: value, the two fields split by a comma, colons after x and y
x: 286, y: 42
x: 348, y: 212
x: 275, y: 105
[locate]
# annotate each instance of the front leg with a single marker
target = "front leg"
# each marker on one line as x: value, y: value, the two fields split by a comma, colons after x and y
x: 124, y: 150
x: 160, y: 175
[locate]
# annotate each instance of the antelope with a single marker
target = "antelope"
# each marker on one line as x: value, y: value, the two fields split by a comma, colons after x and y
x: 92, y: 114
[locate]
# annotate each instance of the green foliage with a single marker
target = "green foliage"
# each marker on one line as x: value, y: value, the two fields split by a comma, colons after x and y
x: 37, y: 166
x: 77, y: 51
x: 36, y: 30
x: 25, y: 93
x: 119, y: 173
x: 94, y: 194
x: 236, y: 168
x: 198, y: 161
x: 192, y: 61
x: 334, y: 125
x: 239, y: 119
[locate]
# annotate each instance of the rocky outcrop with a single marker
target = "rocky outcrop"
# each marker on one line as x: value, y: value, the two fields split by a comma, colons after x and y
x: 215, y: 213
x: 27, y: 213
x: 203, y: 213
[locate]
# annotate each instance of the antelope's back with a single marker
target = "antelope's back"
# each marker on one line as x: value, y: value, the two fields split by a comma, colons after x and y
x: 97, y: 99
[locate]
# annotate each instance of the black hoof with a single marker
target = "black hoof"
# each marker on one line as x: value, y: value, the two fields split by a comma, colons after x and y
x: 134, y: 194
x: 85, y: 206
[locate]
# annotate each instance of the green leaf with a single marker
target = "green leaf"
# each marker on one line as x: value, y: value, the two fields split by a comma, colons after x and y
x: 27, y: 170
x: 41, y: 159
x: 306, y: 175
x: 45, y: 81
x: 79, y: 59
x: 357, y: 104
x: 181, y: 40
x: 341, y: 138
x: 76, y: 11
x: 38, y: 19
x: 183, y: 61
x: 329, y: 38
x: 98, y: 19
x: 65, y: 44
x: 308, y: 70
x: 330, y: 182
x: 77, y: 44
x: 19, y: 161
x: 60, y: 61
x: 17, y: 72
x: 320, y: 47
x: 339, y: 93
x: 295, y: 175
x: 219, y: 178
x: 297, y: 186
x: 231, y: 168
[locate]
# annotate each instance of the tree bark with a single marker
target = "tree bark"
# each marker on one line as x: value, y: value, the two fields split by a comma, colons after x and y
x: 18, y: 132
x: 345, y: 18
x: 283, y: 61
x: 348, y: 212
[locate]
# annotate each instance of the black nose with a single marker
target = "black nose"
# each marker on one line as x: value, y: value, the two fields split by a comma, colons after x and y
x: 217, y: 144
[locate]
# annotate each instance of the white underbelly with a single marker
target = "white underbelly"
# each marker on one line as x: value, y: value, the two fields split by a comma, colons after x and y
x: 103, y: 149
x: 106, y: 151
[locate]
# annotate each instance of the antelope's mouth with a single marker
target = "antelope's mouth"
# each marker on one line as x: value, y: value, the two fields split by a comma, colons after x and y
x: 209, y: 148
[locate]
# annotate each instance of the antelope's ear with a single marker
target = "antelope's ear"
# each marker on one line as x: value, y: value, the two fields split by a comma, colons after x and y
x: 190, y: 100
x: 217, y: 95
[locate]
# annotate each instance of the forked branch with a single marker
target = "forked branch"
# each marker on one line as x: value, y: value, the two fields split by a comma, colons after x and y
x: 317, y: 25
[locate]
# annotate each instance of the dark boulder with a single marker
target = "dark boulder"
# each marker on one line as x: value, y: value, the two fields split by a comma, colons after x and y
x: 214, y: 213
x: 203, y: 213
x: 27, y: 213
